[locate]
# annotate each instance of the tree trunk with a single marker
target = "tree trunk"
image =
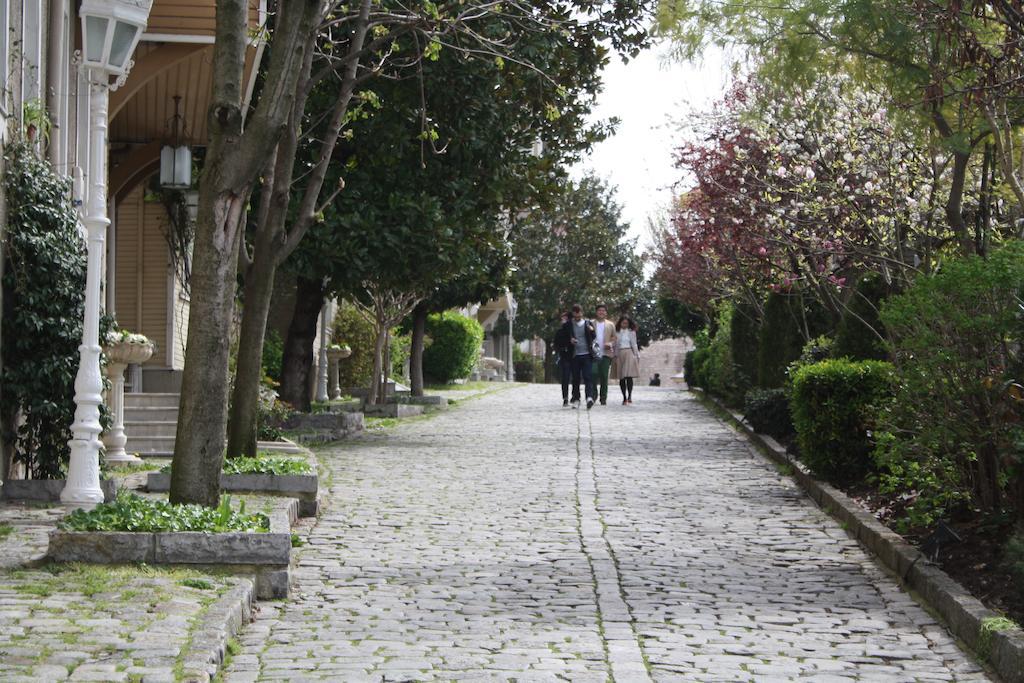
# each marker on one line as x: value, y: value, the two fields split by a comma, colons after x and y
x: 954, y: 205
x: 297, y: 361
x: 259, y: 290
x: 234, y: 161
x: 550, y: 368
x: 202, y: 416
x: 419, y: 333
x: 274, y: 242
x: 378, y: 363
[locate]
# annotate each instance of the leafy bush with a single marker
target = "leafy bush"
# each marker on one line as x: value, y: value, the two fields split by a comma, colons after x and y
x: 401, y: 347
x: 834, y: 403
x: 744, y: 338
x: 860, y: 334
x: 353, y: 329
x: 953, y: 435
x: 718, y: 372
x: 130, y: 512
x: 767, y: 411
x: 273, y: 353
x: 527, y: 367
x: 261, y: 464
x: 699, y: 362
x: 271, y: 414
x: 44, y: 298
x: 1013, y: 556
x: 455, y: 348
x: 688, y: 371
x: 789, y: 320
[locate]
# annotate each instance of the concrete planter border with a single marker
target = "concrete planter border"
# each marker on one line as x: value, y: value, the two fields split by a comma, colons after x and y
x: 265, y: 555
x: 223, y: 620
x: 963, y: 613
x: 46, y: 490
x: 303, y: 487
x: 397, y: 410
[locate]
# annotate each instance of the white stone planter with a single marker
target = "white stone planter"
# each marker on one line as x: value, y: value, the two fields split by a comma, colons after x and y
x: 334, y: 354
x: 121, y: 352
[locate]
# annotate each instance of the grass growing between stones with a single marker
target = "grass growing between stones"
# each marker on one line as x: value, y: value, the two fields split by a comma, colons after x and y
x: 5, y: 531
x: 990, y: 627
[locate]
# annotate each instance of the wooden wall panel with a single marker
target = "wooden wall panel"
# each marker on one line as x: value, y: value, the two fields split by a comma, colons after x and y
x: 142, y: 265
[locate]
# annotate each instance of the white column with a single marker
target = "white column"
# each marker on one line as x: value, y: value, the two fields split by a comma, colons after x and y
x: 83, y: 484
x: 511, y: 352
x: 115, y: 438
x: 321, y: 380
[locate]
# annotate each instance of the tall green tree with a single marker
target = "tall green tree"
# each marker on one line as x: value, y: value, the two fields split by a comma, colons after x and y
x: 574, y: 250
x: 433, y: 172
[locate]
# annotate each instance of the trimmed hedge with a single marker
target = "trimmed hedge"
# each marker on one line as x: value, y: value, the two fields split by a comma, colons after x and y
x: 834, y: 404
x: 454, y: 348
x: 744, y: 339
x: 856, y: 336
x: 767, y: 411
x: 781, y: 341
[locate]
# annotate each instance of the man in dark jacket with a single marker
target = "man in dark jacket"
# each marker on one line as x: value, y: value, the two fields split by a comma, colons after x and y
x: 582, y: 334
x: 563, y: 356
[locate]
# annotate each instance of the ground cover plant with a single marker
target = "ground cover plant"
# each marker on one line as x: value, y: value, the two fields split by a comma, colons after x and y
x: 131, y: 512
x: 263, y: 463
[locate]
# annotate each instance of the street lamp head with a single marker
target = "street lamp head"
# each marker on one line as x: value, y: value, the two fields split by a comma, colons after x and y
x: 111, y: 30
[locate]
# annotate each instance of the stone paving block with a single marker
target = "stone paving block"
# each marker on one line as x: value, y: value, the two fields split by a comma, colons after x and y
x: 576, y: 543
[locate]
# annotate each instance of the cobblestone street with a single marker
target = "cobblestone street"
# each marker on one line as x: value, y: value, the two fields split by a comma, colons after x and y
x: 511, y: 539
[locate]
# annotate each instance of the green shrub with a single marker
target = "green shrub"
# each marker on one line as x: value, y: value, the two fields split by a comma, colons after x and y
x: 717, y: 372
x: 527, y: 368
x: 273, y: 353
x: 744, y: 338
x: 130, y: 512
x: 700, y: 361
x: 767, y: 411
x: 688, y: 371
x: 351, y: 328
x: 860, y: 334
x: 271, y: 414
x: 833, y: 405
x: 261, y: 464
x: 789, y: 320
x: 455, y: 346
x: 401, y: 347
x: 1013, y: 557
x: 44, y: 298
x: 953, y: 435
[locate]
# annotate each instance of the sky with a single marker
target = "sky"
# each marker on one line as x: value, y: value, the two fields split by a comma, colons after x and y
x: 649, y: 95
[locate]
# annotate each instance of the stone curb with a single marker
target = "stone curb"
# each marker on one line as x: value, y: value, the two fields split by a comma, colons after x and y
x: 267, y: 555
x: 223, y: 620
x: 962, y: 612
x: 302, y: 486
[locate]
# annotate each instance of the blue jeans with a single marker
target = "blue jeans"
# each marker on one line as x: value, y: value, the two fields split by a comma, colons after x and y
x: 581, y: 369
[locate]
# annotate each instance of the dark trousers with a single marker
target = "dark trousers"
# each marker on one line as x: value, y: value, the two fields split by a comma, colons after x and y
x: 581, y: 370
x: 602, y: 367
x: 565, y: 372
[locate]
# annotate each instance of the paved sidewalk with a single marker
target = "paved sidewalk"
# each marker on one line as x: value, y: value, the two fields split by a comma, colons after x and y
x: 100, y: 623
x: 510, y: 539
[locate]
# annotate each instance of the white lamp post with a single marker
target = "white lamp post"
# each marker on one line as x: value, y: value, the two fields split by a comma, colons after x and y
x: 321, y: 378
x: 111, y: 30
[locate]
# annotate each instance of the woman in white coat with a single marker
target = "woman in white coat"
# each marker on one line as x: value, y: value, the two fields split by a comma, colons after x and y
x: 627, y: 357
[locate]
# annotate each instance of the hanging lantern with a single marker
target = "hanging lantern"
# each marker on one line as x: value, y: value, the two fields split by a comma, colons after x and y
x: 176, y: 157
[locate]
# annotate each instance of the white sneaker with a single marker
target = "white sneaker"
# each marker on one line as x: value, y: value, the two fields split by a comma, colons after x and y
x: 575, y: 403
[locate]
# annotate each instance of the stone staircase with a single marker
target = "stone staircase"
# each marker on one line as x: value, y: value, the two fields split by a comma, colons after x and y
x: 150, y: 422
